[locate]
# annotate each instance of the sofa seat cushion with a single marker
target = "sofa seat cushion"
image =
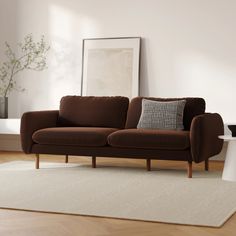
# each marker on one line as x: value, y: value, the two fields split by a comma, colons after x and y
x: 152, y: 139
x: 75, y: 136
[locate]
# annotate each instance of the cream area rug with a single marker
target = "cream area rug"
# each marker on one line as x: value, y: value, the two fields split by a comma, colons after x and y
x: 126, y: 193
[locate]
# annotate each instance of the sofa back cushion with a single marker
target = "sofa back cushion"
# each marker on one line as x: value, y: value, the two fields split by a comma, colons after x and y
x: 93, y: 111
x: 193, y: 107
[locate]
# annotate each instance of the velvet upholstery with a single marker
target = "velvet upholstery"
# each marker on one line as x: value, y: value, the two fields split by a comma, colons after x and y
x: 193, y: 107
x: 74, y: 136
x: 204, y: 133
x: 33, y: 121
x: 100, y: 126
x: 108, y: 151
x: 93, y: 111
x: 151, y: 139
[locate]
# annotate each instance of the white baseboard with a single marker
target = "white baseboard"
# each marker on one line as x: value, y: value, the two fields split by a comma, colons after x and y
x: 10, y: 142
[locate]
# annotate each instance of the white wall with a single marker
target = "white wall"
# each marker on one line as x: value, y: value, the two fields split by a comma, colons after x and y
x: 189, y: 47
x: 7, y: 25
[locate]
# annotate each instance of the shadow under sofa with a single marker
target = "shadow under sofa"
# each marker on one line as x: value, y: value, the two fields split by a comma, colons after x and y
x: 107, y: 127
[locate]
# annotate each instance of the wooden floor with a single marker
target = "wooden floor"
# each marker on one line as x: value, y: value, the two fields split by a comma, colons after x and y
x: 20, y: 223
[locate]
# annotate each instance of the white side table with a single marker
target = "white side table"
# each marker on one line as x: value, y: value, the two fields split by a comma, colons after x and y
x: 229, y: 172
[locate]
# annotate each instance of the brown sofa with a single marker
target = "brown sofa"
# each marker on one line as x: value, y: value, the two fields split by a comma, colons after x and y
x: 106, y: 127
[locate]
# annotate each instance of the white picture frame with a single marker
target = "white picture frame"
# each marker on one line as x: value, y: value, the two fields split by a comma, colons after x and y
x: 110, y: 67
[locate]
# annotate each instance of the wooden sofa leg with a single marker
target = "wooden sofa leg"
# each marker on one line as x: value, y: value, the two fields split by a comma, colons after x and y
x: 190, y: 170
x: 93, y: 161
x: 206, y: 165
x: 37, y: 161
x: 148, y: 164
x: 66, y: 159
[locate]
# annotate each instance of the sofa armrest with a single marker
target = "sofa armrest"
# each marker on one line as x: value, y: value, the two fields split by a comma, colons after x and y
x: 204, y: 132
x: 35, y: 120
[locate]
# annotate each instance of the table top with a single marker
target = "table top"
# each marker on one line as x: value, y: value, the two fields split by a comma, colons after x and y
x: 9, y: 126
x: 227, y: 137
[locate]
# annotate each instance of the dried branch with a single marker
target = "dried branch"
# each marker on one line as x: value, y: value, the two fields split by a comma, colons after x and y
x: 32, y: 56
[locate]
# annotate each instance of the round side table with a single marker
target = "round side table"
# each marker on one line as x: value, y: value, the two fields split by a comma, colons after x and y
x: 229, y: 172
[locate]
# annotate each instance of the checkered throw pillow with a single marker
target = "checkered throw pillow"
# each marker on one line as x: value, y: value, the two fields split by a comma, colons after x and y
x: 162, y: 115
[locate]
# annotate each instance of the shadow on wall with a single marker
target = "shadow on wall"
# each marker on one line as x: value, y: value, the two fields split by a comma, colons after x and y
x: 67, y: 29
x: 64, y: 29
x: 64, y: 70
x: 144, y: 64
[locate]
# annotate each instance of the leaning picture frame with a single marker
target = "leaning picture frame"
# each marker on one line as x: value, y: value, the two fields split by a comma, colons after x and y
x: 111, y: 67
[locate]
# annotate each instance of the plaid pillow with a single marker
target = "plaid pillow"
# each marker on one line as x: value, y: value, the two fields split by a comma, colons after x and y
x: 162, y: 115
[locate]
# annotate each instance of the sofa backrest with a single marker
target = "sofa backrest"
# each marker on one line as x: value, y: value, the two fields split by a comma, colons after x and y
x: 93, y: 111
x: 193, y: 107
